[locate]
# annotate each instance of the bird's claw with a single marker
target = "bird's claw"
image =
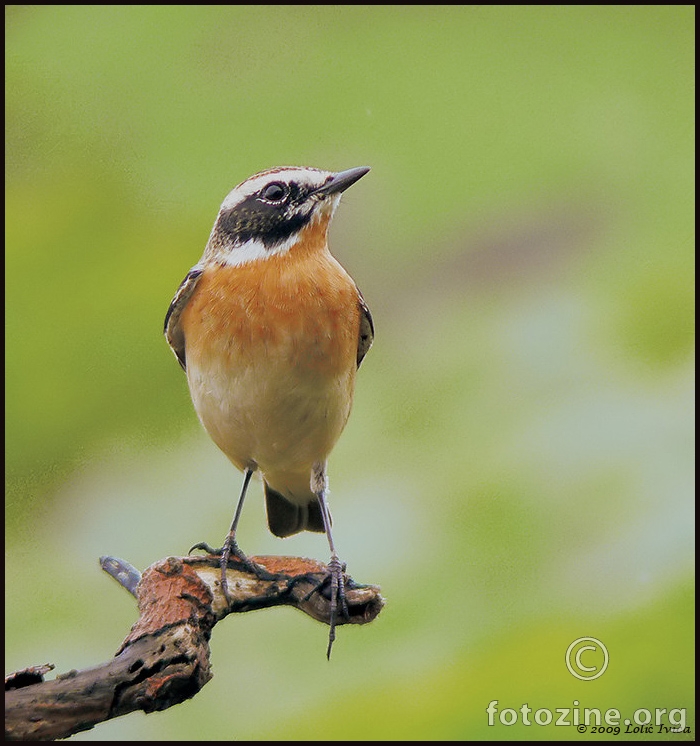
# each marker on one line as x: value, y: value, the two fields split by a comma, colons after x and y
x: 206, y: 548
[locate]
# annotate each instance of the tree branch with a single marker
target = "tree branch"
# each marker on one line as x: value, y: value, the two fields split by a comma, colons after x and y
x: 164, y: 659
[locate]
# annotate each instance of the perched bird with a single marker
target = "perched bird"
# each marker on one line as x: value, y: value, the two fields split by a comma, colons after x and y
x: 270, y: 330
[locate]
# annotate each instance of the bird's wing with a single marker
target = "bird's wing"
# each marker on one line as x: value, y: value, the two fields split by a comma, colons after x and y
x: 173, y: 331
x: 366, y: 337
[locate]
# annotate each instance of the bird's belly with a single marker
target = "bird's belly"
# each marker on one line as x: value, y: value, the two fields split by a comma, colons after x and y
x: 274, y: 417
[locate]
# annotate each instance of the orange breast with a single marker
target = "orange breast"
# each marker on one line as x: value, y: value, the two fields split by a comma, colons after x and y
x: 298, y: 309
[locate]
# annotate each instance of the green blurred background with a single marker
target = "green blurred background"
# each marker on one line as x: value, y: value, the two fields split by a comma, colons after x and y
x: 518, y: 469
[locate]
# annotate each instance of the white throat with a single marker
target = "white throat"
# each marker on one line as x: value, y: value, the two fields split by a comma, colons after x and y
x: 255, y: 250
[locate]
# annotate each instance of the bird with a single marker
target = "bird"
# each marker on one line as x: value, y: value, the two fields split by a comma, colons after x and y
x: 270, y: 330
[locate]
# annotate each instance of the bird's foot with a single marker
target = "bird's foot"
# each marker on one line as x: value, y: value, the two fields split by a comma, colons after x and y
x: 336, y: 571
x: 231, y: 551
x: 332, y: 586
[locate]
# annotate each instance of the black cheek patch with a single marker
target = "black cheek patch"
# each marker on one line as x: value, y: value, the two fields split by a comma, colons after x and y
x: 254, y: 219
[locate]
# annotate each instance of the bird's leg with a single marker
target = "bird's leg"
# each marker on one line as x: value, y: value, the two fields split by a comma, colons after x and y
x: 336, y: 568
x: 230, y: 546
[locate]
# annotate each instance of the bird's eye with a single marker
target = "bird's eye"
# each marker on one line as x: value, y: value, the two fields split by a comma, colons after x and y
x: 274, y: 192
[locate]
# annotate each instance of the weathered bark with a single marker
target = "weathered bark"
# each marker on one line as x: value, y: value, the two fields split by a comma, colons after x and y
x: 164, y: 660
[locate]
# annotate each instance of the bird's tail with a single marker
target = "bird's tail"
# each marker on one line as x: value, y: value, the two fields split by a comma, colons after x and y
x: 286, y: 518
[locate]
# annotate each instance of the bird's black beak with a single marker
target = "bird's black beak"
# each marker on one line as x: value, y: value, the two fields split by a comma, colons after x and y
x: 341, y: 181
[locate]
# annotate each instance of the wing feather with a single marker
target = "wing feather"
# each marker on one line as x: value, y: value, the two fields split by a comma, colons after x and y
x: 172, y: 329
x: 366, y: 337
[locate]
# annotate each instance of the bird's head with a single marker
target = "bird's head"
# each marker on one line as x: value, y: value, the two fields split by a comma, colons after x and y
x: 267, y: 213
